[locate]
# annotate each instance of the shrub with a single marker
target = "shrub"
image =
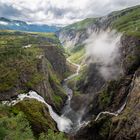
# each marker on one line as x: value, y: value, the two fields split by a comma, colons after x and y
x: 52, y: 136
x: 15, y: 127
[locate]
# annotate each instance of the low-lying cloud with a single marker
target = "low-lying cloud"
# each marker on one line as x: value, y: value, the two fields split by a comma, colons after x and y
x: 103, y: 48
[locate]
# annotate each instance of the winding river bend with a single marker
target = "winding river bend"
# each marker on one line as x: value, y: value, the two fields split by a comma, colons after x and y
x: 69, y: 121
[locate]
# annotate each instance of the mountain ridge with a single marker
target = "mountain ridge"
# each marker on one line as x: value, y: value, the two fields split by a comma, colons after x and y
x: 10, y: 24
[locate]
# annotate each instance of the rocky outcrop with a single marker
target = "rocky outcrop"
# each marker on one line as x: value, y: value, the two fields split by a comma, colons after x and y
x: 50, y: 87
x: 74, y: 35
x: 126, y: 126
x: 55, y: 56
x: 40, y: 68
x: 111, y: 96
x: 97, y: 94
x: 37, y: 114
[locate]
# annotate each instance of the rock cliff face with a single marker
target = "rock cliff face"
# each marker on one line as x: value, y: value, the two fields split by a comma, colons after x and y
x: 53, y: 66
x: 110, y: 95
x: 122, y: 127
x: 126, y: 126
x: 28, y: 62
x: 41, y: 67
x: 73, y: 36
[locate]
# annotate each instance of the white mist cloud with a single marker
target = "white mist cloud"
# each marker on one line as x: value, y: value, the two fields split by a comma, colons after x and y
x: 103, y: 49
x: 58, y: 11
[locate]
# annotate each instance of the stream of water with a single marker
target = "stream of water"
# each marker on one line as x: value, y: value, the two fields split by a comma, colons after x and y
x: 70, y: 121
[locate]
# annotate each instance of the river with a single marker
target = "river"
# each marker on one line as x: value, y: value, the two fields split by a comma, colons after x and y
x: 69, y: 121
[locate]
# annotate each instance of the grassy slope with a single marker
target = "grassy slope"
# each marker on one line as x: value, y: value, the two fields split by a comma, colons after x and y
x: 81, y: 24
x: 15, y: 62
x: 20, y: 64
x: 128, y: 21
x: 16, y: 122
x: 77, y: 56
x: 14, y: 59
x: 77, y: 53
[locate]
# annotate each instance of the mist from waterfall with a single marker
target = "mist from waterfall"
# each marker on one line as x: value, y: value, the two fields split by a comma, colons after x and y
x: 103, y: 48
x: 63, y: 124
x: 69, y: 121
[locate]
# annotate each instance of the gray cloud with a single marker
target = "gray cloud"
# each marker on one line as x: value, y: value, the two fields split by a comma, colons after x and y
x: 9, y: 11
x: 60, y: 12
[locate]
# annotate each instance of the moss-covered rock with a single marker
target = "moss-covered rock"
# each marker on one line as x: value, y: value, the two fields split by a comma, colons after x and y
x: 97, y: 130
x: 37, y: 114
x: 40, y: 67
x: 126, y: 125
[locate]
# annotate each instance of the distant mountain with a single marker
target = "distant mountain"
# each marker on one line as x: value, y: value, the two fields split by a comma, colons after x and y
x: 23, y: 26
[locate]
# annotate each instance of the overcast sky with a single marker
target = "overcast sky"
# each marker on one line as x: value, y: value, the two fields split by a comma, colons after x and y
x: 63, y: 12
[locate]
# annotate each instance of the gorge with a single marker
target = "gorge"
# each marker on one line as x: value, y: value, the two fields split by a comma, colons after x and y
x: 82, y: 83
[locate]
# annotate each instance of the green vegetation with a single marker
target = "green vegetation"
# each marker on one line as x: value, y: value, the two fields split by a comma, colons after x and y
x: 77, y: 55
x: 16, y: 61
x: 25, y: 38
x: 14, y: 64
x: 105, y: 97
x: 52, y: 136
x: 77, y: 80
x: 14, y: 127
x: 20, y: 71
x: 77, y: 52
x: 51, y: 36
x: 81, y: 24
x: 37, y: 114
x: 128, y: 21
x: 58, y: 92
x: 21, y: 64
x: 103, y: 127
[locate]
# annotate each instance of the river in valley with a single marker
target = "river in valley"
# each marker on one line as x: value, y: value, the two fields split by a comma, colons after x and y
x: 69, y: 121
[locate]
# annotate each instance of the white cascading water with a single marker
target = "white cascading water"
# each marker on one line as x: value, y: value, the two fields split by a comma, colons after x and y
x: 64, y: 122
x: 77, y: 71
x: 115, y: 113
x: 70, y: 120
x: 27, y: 46
x: 118, y: 111
x: 67, y: 111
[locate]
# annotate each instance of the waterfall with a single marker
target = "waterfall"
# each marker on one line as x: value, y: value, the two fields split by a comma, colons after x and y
x: 67, y: 111
x: 115, y: 113
x: 70, y: 120
x: 65, y: 122
x: 105, y: 112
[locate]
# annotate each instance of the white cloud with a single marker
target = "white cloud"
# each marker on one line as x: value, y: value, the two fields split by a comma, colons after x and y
x: 3, y: 23
x: 103, y: 48
x: 62, y: 12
